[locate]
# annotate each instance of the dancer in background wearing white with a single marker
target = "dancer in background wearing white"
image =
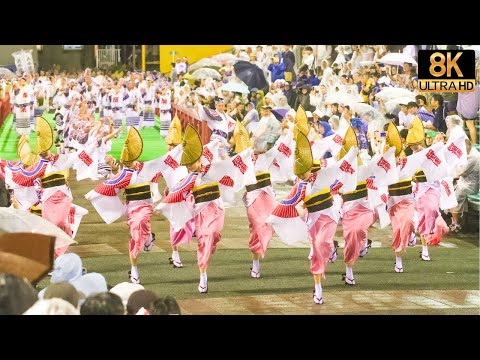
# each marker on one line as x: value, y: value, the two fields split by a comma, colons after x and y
x: 116, y: 101
x: 22, y: 108
x: 131, y: 99
x: 165, y: 107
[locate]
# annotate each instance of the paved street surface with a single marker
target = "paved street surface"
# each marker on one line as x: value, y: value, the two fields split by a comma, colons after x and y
x: 98, y: 242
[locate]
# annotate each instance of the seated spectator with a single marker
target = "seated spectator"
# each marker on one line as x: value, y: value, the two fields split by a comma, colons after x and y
x: 429, y: 137
x: 467, y: 184
x: 250, y: 121
x: 454, y: 126
x: 104, y: 303
x: 68, y: 267
x: 334, y: 122
x: 267, y: 131
x: 325, y: 129
x: 63, y: 290
x: 165, y: 306
x: 125, y: 289
x: 54, y: 306
x: 140, y: 301
x: 16, y: 294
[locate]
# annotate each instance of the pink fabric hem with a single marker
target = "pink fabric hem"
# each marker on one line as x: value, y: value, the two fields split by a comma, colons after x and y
x: 140, y: 228
x: 321, y: 237
x: 401, y: 215
x: 355, y: 224
x: 441, y: 228
x: 56, y: 209
x: 208, y: 227
x: 260, y: 232
x: 184, y: 235
x: 427, y: 209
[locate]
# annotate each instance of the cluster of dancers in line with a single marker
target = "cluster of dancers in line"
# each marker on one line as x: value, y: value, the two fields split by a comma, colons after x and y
x: 389, y: 188
x: 132, y: 100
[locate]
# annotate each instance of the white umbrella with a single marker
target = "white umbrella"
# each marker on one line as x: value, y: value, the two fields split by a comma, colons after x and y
x: 205, y: 62
x: 204, y: 73
x: 225, y: 58
x: 390, y: 93
x: 235, y: 86
x: 344, y: 98
x: 397, y: 59
x: 393, y: 105
x: 372, y: 116
x: 15, y: 220
x: 6, y: 74
x: 402, y: 100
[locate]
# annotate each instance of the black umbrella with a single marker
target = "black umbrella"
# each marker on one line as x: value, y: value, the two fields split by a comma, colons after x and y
x: 250, y: 74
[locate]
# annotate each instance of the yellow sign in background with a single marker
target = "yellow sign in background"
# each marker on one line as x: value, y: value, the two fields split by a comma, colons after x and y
x: 192, y: 52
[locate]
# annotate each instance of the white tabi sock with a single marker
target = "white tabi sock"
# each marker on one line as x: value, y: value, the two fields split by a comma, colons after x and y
x: 318, y: 290
x: 398, y: 262
x: 349, y: 272
x: 256, y: 266
x: 203, y: 279
x: 176, y: 256
x: 134, y: 272
x: 425, y: 250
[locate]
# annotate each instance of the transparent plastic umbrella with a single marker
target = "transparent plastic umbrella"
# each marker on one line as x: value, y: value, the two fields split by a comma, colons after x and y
x: 397, y: 59
x: 225, y: 58
x: 344, y: 98
x: 204, y: 73
x: 15, y: 220
x: 236, y: 86
x: 372, y: 116
x: 6, y: 74
x: 205, y: 62
x: 393, y: 93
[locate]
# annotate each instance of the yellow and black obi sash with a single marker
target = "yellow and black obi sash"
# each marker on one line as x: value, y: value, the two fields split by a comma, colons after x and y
x: 359, y: 192
x: 36, y: 210
x: 316, y: 166
x: 263, y: 180
x: 207, y: 192
x: 53, y: 179
x: 319, y: 201
x: 419, y: 176
x: 138, y: 192
x: 403, y: 187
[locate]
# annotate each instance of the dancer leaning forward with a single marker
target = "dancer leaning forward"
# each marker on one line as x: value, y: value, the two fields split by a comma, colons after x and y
x: 203, y: 183
x: 321, y: 216
x: 137, y: 178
